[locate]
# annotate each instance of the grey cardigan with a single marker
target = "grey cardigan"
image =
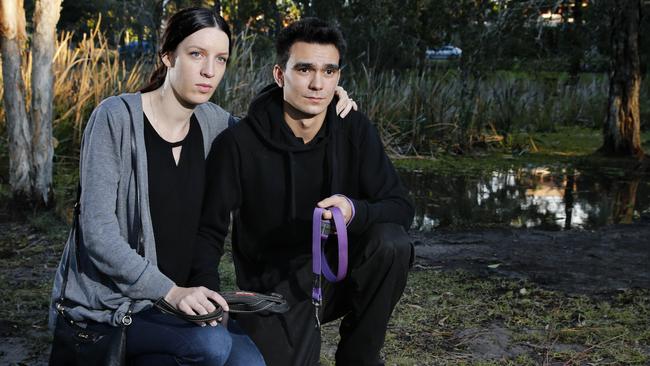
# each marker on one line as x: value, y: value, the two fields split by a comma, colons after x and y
x: 108, y: 274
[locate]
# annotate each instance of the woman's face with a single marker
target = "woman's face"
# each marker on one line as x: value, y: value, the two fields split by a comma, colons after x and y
x: 196, y: 67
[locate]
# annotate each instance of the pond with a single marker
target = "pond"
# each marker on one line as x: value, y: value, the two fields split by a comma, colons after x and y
x: 539, y: 197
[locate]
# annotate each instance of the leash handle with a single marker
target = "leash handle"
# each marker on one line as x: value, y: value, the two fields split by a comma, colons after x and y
x: 238, y: 301
x: 319, y: 261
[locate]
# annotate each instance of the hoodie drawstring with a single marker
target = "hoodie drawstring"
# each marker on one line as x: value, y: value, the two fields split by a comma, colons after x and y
x: 292, y: 186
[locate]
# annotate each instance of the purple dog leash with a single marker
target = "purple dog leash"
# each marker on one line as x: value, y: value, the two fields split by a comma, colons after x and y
x: 320, y: 233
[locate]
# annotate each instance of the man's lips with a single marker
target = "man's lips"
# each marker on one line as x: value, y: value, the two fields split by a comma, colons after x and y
x: 315, y: 99
x: 204, y: 87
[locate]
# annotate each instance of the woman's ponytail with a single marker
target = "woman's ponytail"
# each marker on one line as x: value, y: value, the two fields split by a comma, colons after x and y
x: 156, y: 80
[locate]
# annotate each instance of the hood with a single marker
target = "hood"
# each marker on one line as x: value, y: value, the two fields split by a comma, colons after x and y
x: 267, y: 118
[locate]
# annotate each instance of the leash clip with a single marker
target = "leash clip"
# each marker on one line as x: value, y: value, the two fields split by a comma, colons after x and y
x: 317, y: 298
x: 317, y: 315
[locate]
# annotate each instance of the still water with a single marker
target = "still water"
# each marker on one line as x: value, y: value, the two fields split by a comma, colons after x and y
x: 527, y: 197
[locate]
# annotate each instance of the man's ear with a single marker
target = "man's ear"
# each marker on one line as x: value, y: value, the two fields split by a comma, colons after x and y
x: 278, y: 75
x: 168, y: 59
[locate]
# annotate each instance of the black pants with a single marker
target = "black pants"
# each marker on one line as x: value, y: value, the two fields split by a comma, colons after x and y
x: 378, y: 266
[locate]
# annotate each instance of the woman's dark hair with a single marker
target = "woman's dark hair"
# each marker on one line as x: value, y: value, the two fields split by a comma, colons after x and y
x: 180, y: 26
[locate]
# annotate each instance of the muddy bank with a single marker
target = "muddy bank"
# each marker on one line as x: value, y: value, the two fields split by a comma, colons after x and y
x: 574, y: 261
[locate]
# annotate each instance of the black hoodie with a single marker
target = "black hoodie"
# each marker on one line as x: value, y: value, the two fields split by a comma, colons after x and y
x: 271, y: 181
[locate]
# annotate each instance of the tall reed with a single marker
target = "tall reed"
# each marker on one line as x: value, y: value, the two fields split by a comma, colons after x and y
x: 246, y: 74
x: 87, y: 73
x: 418, y: 111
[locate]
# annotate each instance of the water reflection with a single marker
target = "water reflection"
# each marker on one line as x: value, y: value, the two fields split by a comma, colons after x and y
x: 534, y: 197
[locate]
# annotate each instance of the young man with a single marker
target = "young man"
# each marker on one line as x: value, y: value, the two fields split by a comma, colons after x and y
x: 291, y: 154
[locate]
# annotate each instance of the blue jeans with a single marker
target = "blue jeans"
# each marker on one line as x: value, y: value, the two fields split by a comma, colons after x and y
x: 161, y: 339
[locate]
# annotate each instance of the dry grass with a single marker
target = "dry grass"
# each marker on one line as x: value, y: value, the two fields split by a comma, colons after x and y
x: 87, y: 73
x: 84, y: 74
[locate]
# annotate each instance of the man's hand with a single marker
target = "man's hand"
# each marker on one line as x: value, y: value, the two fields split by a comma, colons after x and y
x: 337, y: 201
x: 345, y: 104
x: 195, y: 300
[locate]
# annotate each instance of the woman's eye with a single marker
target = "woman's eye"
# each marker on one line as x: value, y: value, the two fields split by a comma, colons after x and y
x: 222, y: 60
x: 195, y: 54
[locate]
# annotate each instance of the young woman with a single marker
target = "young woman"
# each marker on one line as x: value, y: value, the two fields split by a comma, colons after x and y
x: 140, y: 212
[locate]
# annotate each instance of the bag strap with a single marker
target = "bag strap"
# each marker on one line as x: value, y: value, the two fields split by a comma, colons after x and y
x: 73, y: 231
x: 126, y: 320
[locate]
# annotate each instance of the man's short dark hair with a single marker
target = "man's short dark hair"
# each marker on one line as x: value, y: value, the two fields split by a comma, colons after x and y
x: 309, y: 30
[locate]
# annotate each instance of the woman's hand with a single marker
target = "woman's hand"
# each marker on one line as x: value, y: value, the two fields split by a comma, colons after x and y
x: 195, y: 300
x: 345, y: 103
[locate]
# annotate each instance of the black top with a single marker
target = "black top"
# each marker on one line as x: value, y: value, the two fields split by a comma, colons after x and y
x: 311, y: 187
x: 175, y: 196
x: 271, y: 181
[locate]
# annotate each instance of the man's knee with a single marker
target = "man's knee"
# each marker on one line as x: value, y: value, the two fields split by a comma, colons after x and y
x: 389, y: 242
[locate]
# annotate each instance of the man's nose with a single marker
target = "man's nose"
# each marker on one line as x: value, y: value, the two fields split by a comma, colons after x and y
x: 316, y: 81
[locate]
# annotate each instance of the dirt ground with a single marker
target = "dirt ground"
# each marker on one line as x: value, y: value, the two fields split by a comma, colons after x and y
x: 576, y: 261
x: 583, y: 262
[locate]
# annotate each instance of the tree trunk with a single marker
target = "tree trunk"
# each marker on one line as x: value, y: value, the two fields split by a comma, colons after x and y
x: 12, y: 36
x: 46, y: 15
x: 622, y: 135
x: 576, y: 31
x: 624, y: 201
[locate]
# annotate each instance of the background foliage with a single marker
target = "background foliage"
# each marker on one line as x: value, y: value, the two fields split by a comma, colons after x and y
x: 518, y: 73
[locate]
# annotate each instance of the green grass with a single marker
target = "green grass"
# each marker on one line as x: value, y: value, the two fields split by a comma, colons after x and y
x: 547, y: 326
x: 569, y: 146
x: 437, y: 307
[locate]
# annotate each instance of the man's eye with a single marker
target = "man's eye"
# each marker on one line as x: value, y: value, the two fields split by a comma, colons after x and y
x: 303, y: 70
x: 330, y: 71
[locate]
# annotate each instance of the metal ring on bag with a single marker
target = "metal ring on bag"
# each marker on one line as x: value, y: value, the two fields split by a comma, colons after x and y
x: 127, y: 320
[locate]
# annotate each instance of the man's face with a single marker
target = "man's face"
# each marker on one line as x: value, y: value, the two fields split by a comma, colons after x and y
x: 309, y: 79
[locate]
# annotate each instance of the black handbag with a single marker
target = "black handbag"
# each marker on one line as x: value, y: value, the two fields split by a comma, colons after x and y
x: 96, y: 343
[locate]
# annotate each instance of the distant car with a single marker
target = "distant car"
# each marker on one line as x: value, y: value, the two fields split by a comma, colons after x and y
x: 443, y: 53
